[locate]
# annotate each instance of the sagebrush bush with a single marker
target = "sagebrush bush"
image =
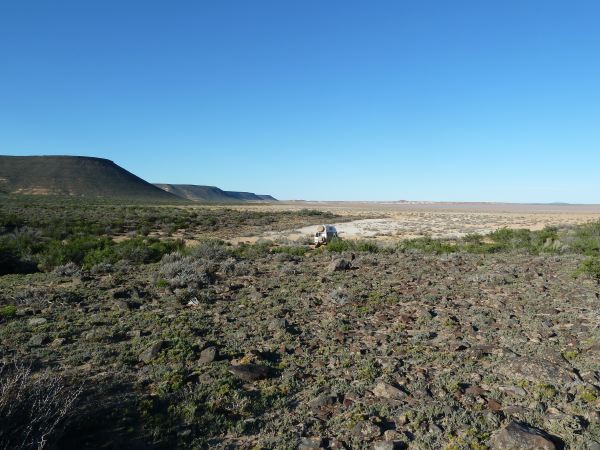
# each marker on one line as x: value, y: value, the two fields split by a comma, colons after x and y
x: 211, y: 250
x: 32, y: 406
x: 185, y: 272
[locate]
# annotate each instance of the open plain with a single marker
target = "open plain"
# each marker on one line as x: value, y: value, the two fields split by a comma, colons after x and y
x: 391, y: 221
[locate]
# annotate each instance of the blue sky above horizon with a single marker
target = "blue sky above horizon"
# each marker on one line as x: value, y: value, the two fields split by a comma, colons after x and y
x: 325, y: 100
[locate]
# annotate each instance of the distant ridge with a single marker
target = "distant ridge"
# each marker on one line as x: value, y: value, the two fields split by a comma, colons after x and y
x: 78, y: 176
x: 212, y: 194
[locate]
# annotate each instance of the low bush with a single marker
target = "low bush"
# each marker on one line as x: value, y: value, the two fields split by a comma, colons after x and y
x: 290, y: 250
x: 7, y: 312
x: 184, y: 272
x: 591, y: 268
x: 32, y: 406
x: 427, y: 245
x: 339, y: 245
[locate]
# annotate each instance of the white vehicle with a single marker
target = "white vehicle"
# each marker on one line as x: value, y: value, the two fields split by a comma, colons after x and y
x: 324, y: 234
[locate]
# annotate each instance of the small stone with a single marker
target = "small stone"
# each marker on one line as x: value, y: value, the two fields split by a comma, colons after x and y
x: 150, y: 353
x: 207, y: 355
x: 37, y: 340
x: 278, y: 325
x: 392, y: 435
x: 475, y: 390
x: 250, y: 372
x: 335, y: 444
x: 435, y: 429
x: 384, y: 445
x: 517, y: 436
x: 513, y: 390
x: 366, y: 430
x: 384, y: 390
x: 338, y: 265
x: 402, y: 419
x: 313, y: 442
x: 122, y: 305
x: 494, y: 405
x: 35, y: 321
x: 58, y: 342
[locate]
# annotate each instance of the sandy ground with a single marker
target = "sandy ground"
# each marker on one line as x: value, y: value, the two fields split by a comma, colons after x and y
x: 395, y: 221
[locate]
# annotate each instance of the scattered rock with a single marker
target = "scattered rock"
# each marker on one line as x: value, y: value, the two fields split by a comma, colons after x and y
x: 340, y: 264
x: 151, y: 352
x: 517, y: 436
x: 250, y: 372
x: 366, y: 430
x: 308, y: 443
x: 537, y: 370
x: 384, y: 390
x: 37, y: 340
x: 207, y: 355
x: 58, y: 342
x: 384, y: 445
x: 35, y: 321
x: 278, y: 325
x: 121, y: 305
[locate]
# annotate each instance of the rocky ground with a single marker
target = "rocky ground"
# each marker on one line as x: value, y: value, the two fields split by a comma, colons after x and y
x: 242, y: 347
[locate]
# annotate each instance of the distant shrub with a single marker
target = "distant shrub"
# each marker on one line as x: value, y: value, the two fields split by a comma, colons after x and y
x: 146, y: 250
x: 74, y: 250
x: 366, y: 246
x: 590, y: 267
x: 66, y: 270
x: 312, y: 212
x: 290, y: 250
x: 12, y: 259
x: 251, y: 251
x: 211, y: 250
x: 427, y: 245
x: 339, y: 245
x: 586, y: 239
x: 509, y: 239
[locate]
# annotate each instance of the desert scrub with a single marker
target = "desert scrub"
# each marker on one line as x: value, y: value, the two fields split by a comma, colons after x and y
x: 7, y: 312
x: 290, y: 250
x: 587, y: 394
x: 589, y: 267
x: 339, y: 245
x: 33, y: 407
x: 211, y: 250
x: 427, y: 245
x: 184, y: 272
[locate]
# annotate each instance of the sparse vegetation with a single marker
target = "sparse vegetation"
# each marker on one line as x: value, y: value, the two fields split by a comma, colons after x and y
x: 428, y: 343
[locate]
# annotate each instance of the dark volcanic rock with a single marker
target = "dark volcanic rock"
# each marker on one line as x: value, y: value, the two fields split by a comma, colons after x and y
x: 250, y: 372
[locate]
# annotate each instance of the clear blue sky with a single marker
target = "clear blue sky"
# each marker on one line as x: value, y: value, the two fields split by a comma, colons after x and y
x: 328, y: 99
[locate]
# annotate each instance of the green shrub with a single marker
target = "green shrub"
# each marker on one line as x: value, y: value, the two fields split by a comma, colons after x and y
x: 8, y: 312
x: 366, y: 246
x: 290, y: 250
x: 590, y: 267
x: 339, y: 245
x: 13, y: 259
x: 586, y: 239
x: 427, y: 245
x: 75, y: 250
